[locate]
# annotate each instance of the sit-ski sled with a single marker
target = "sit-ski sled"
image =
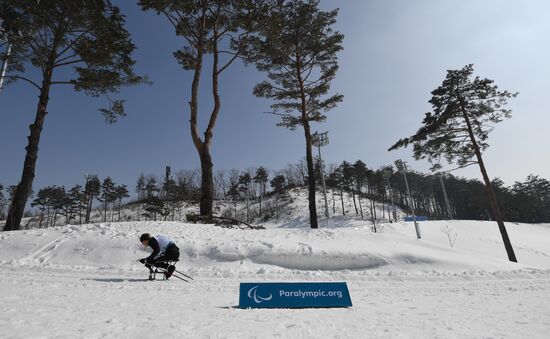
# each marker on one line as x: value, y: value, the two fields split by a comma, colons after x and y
x: 163, y: 272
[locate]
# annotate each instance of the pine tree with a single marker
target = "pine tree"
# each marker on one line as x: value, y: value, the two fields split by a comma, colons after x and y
x: 76, y: 201
x: 169, y: 189
x: 387, y: 174
x: 297, y: 47
x: 244, y: 186
x: 336, y: 180
x: 234, y: 193
x: 57, y: 201
x: 107, y: 195
x: 42, y: 202
x: 120, y: 192
x: 360, y: 177
x: 153, y: 206
x: 140, y: 186
x: 151, y: 187
x: 215, y: 27
x: 278, y: 185
x: 534, y: 199
x: 83, y: 39
x: 91, y: 192
x: 347, y: 181
x: 372, y: 181
x: 465, y: 110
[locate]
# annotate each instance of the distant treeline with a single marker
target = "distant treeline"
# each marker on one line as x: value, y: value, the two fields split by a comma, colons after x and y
x: 527, y: 201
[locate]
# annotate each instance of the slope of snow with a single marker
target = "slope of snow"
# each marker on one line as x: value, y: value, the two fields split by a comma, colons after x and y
x: 292, y: 206
x: 84, y: 281
x: 212, y: 249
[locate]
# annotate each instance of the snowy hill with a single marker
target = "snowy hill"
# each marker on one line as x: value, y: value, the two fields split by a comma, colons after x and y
x: 84, y: 281
x: 289, y: 208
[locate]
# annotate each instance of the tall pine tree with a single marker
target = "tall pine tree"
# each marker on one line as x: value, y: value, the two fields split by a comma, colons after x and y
x: 465, y: 110
x: 297, y: 47
x: 91, y: 192
x: 85, y: 40
x: 208, y: 27
x: 107, y: 195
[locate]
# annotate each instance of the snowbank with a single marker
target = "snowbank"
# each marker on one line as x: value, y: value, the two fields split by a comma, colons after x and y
x: 212, y: 250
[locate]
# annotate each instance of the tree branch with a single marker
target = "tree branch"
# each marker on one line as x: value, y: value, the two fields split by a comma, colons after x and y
x: 25, y: 79
x: 68, y: 63
x: 237, y: 55
x: 459, y: 167
x: 281, y: 115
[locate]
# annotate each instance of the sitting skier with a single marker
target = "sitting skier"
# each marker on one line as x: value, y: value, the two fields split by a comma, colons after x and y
x: 164, y: 250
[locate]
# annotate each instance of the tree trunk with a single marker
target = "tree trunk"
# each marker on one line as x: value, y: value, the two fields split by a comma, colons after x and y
x: 311, y: 177
x: 342, y: 200
x: 360, y: 206
x: 204, y: 154
x: 333, y: 203
x: 41, y: 219
x: 207, y: 183
x: 260, y: 205
x: 79, y: 212
x: 372, y: 211
x: 247, y: 206
x: 88, y: 209
x: 354, y: 203
x: 488, y: 186
x: 277, y: 205
x: 203, y: 148
x: 105, y: 211
x: 394, y: 208
x: 48, y: 217
x: 119, y: 206
x: 23, y: 190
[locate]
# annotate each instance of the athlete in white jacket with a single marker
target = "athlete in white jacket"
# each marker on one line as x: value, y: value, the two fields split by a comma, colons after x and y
x: 164, y: 250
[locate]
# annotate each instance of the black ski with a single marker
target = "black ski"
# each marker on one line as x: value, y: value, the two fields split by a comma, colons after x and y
x: 185, y: 275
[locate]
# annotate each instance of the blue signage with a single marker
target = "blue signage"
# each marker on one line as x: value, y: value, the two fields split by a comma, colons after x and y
x: 418, y: 218
x: 294, y: 295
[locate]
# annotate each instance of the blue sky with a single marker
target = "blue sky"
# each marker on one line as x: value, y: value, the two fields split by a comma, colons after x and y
x: 395, y: 53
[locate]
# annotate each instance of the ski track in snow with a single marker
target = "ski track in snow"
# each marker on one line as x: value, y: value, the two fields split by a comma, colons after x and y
x: 42, y: 254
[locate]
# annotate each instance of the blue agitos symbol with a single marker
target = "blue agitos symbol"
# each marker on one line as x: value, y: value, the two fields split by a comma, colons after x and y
x: 294, y: 295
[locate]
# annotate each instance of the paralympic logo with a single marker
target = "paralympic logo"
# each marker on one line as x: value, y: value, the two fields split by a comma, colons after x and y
x: 253, y: 293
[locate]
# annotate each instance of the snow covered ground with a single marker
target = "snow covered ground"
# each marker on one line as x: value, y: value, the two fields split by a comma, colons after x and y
x: 83, y: 281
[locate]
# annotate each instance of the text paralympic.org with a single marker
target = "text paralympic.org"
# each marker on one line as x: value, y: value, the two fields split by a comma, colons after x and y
x: 310, y: 294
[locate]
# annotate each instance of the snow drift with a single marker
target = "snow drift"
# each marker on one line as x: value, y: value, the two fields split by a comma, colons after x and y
x: 208, y: 249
